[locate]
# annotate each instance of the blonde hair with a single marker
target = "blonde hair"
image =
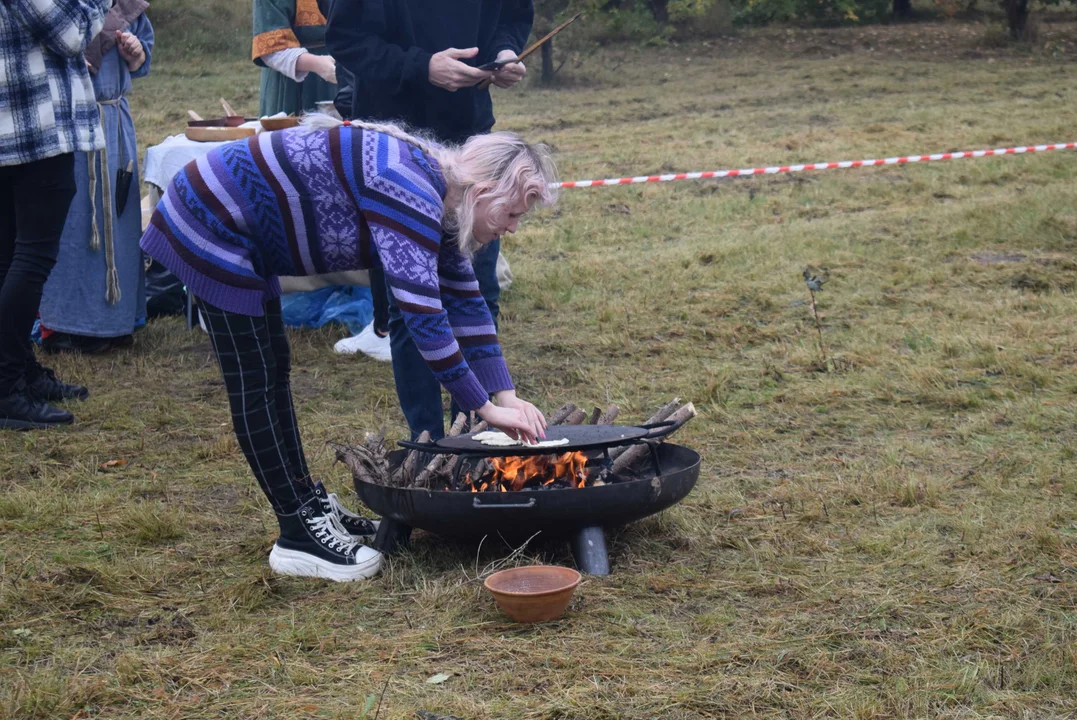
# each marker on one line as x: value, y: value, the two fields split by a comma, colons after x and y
x: 500, y: 165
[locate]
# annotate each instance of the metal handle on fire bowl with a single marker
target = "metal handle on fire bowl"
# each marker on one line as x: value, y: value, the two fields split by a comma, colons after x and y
x: 659, y: 429
x: 479, y: 505
x: 422, y: 447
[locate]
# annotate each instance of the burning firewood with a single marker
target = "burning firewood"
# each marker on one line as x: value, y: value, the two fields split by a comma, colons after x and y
x: 369, y: 461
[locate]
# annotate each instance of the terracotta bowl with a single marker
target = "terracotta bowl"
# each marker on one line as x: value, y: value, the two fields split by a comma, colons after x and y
x: 535, y: 593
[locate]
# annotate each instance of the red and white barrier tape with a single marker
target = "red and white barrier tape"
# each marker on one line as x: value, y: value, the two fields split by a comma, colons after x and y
x: 717, y: 174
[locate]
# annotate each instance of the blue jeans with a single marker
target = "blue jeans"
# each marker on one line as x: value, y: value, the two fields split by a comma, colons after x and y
x: 416, y: 387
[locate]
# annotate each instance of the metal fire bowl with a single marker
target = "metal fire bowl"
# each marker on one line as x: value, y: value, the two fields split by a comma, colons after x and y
x: 516, y: 516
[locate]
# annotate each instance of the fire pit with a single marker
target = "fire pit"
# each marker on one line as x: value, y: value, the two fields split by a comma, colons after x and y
x: 515, y: 493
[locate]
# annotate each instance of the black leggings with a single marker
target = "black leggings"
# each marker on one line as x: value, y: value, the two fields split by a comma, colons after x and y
x: 256, y: 364
x: 34, y: 199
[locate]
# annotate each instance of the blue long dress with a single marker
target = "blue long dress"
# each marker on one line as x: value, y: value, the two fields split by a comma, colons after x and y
x: 74, y: 299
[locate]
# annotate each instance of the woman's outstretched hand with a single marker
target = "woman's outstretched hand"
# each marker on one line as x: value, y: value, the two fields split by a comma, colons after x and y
x: 515, y: 417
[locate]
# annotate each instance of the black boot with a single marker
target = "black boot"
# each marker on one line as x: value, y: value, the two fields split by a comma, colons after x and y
x: 356, y: 525
x: 313, y: 544
x: 21, y: 410
x: 59, y: 342
x: 48, y: 388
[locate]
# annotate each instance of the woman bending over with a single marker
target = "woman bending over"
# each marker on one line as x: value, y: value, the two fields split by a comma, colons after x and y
x: 328, y: 197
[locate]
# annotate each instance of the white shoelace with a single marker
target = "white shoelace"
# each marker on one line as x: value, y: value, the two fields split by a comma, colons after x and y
x: 328, y: 530
x: 338, y: 508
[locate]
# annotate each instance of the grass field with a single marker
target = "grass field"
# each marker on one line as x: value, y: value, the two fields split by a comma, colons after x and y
x: 895, y: 536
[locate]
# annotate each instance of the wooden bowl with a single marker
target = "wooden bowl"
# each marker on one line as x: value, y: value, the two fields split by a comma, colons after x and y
x: 218, y: 134
x: 226, y: 121
x: 279, y: 123
x: 535, y: 593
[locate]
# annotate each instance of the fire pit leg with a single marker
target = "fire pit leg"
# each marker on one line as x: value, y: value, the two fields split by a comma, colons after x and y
x: 589, y: 549
x: 392, y: 537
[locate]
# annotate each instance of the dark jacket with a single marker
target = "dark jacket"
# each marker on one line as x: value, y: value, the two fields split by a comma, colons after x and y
x: 386, y: 45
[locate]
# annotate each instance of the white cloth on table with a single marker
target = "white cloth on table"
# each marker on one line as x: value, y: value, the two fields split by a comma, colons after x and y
x: 165, y: 160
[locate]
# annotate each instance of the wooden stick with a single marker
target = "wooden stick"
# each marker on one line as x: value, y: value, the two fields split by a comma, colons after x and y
x: 441, y: 463
x: 576, y: 418
x: 368, y: 462
x: 458, y: 425
x: 595, y: 415
x: 665, y: 411
x: 411, y: 462
x: 635, y: 453
x: 559, y: 417
x: 483, y: 84
x: 663, y: 414
x: 609, y: 416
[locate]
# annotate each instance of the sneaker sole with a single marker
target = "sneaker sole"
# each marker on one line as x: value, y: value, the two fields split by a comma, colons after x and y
x: 301, y: 564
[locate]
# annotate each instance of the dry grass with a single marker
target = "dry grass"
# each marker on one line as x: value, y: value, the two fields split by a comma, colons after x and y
x: 894, y: 538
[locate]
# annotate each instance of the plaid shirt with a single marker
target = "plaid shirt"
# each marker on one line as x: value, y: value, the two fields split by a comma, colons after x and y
x: 47, y: 104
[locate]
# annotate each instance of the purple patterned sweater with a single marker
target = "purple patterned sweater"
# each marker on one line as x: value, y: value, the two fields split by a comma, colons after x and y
x: 296, y: 202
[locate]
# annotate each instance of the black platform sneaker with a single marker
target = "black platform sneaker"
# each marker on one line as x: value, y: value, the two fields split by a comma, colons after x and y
x: 356, y: 525
x: 313, y: 544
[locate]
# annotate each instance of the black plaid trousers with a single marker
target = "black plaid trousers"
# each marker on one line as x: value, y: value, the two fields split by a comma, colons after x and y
x: 256, y: 363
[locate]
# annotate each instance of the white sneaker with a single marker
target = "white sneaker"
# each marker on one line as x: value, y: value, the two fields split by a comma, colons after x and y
x: 367, y: 342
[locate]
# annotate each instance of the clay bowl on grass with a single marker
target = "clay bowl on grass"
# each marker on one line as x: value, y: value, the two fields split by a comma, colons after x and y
x: 535, y: 593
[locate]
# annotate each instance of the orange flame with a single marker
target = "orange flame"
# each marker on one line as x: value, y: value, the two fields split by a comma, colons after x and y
x: 514, y: 473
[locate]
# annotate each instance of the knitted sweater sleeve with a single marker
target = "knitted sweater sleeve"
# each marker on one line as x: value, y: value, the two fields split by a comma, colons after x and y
x: 433, y: 285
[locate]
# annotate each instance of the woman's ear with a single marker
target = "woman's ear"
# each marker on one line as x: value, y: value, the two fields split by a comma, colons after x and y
x: 481, y: 189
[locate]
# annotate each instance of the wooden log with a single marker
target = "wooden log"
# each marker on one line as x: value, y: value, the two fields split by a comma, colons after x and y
x: 576, y: 418
x: 441, y: 465
x: 563, y: 412
x: 368, y: 462
x: 635, y: 453
x: 479, y: 471
x: 607, y: 417
x: 458, y: 425
x: 595, y: 415
x: 410, y: 465
x: 665, y: 411
x: 411, y: 462
x: 663, y: 414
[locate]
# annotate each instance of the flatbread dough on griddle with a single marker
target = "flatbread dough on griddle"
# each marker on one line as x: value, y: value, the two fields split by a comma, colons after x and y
x: 496, y: 438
